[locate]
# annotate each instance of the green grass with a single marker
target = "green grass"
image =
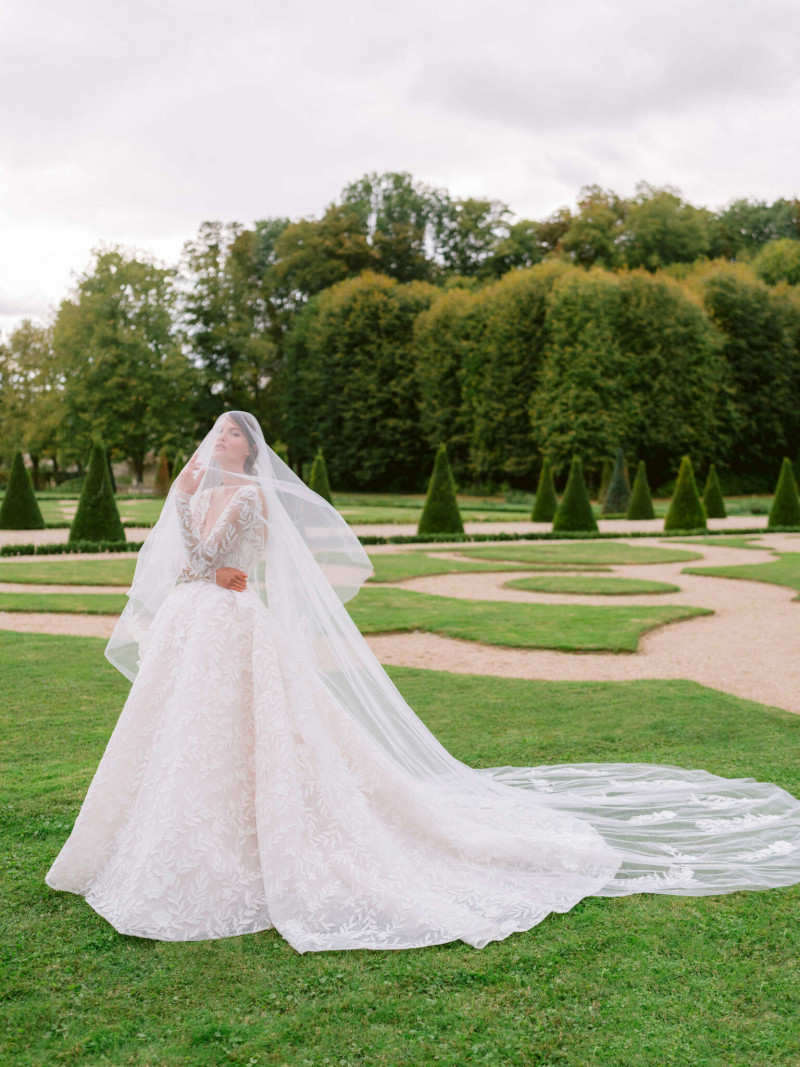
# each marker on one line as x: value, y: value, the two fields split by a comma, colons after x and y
x: 723, y: 541
x: 610, y: 553
x: 67, y: 571
x: 397, y: 566
x: 782, y: 571
x: 589, y: 585
x: 67, y: 603
x: 643, y: 981
x: 567, y: 627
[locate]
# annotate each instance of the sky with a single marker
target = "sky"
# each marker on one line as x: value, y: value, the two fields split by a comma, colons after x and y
x: 133, y: 123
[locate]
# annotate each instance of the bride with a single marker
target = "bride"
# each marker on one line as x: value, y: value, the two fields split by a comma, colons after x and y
x: 265, y: 771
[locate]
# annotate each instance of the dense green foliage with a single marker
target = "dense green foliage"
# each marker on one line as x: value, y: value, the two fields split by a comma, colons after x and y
x: 785, y: 510
x: 97, y: 518
x: 575, y: 510
x: 640, y: 505
x: 606, y: 470
x: 618, y: 494
x: 685, y: 509
x: 162, y: 482
x: 19, y: 510
x: 713, y: 502
x: 318, y: 480
x: 546, y: 503
x: 440, y: 513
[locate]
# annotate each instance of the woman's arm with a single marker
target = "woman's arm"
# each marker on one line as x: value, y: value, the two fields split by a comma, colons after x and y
x: 244, y: 510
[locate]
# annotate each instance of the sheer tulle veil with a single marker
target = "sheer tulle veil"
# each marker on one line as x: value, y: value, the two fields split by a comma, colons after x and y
x: 668, y: 829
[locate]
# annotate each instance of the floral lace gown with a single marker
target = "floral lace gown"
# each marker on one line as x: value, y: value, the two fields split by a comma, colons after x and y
x: 236, y: 794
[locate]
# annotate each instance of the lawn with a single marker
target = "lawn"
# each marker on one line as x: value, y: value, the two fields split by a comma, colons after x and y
x: 608, y: 553
x: 590, y: 585
x: 782, y: 571
x: 643, y: 981
x: 397, y: 566
x: 68, y: 571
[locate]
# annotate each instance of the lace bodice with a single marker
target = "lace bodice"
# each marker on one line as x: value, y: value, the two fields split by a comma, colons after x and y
x: 236, y: 539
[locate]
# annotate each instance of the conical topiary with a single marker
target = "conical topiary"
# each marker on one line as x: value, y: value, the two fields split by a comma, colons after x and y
x: 19, y: 510
x: 97, y: 518
x: 640, y: 505
x: 546, y: 502
x: 111, y: 477
x: 161, y: 487
x: 686, y: 508
x: 440, y: 513
x: 785, y: 510
x: 575, y: 510
x: 318, y: 481
x: 713, y: 501
x: 618, y: 494
x: 605, y: 480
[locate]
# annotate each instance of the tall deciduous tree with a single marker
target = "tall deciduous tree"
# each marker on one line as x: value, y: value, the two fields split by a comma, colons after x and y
x: 662, y: 228
x: 31, y: 386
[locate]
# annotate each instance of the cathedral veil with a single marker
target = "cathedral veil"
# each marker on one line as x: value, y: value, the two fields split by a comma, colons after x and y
x: 667, y: 829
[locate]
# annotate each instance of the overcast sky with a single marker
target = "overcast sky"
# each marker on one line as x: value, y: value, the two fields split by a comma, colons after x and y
x: 133, y: 123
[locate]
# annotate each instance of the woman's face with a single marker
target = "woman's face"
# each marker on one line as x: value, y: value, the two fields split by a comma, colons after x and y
x: 230, y: 447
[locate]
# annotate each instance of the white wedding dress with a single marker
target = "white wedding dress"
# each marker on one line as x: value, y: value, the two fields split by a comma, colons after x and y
x: 236, y: 794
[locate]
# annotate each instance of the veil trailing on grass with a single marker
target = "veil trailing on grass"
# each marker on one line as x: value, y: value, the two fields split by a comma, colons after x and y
x: 646, y: 827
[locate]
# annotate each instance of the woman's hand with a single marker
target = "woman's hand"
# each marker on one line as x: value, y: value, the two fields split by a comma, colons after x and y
x: 230, y: 578
x: 190, y: 477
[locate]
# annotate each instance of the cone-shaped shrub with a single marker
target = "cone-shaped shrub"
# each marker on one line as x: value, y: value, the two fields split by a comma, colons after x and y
x: 686, y: 508
x: 712, y: 496
x: 111, y: 477
x: 161, y: 487
x: 20, y: 510
x: 641, y: 503
x: 605, y: 480
x: 618, y: 494
x: 97, y: 518
x: 318, y: 481
x: 441, y: 514
x: 785, y: 510
x: 575, y: 510
x: 546, y: 502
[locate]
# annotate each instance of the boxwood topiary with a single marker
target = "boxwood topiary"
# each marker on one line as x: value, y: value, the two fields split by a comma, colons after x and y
x: 640, y: 505
x: 618, y: 494
x: 19, y: 510
x: 685, y: 509
x: 318, y: 481
x: 785, y: 510
x: 546, y: 502
x: 575, y: 510
x: 713, y: 501
x: 605, y: 480
x: 97, y: 518
x: 440, y: 513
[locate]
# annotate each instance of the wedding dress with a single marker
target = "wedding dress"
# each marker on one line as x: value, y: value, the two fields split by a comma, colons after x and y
x: 265, y: 772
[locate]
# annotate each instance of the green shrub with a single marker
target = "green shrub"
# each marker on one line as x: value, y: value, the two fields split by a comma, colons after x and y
x: 319, y: 478
x: 785, y: 510
x: 441, y: 514
x: 640, y: 505
x: 546, y: 502
x: 19, y: 510
x: 111, y: 477
x: 618, y: 494
x: 97, y: 518
x: 605, y: 480
x: 686, y: 508
x: 713, y: 501
x: 575, y: 510
x: 161, y: 487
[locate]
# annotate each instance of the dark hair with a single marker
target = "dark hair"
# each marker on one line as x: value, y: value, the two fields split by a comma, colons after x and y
x: 239, y: 418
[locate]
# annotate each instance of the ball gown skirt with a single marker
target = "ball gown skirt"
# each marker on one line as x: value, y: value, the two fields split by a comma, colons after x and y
x: 236, y: 794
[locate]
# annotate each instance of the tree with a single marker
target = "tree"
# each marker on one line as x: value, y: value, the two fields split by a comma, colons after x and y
x: 685, y: 509
x: 749, y: 225
x: 619, y: 493
x: 126, y: 376
x: 97, y: 518
x: 785, y: 510
x: 640, y: 505
x: 606, y: 471
x: 318, y: 481
x: 779, y: 261
x: 662, y: 228
x: 594, y: 233
x: 546, y: 503
x: 314, y: 254
x: 440, y: 513
x: 468, y: 233
x: 162, y: 482
x: 575, y: 510
x: 20, y: 510
x: 713, y: 502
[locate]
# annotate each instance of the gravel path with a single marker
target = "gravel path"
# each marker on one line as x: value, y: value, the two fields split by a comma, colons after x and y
x: 750, y: 646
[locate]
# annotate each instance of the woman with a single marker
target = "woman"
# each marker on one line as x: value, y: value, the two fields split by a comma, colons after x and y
x: 265, y: 772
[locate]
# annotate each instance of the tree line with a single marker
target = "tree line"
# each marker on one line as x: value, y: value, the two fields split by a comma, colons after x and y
x: 403, y: 317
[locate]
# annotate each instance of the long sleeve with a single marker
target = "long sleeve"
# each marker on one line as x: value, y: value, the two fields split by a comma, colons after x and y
x: 243, y: 512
